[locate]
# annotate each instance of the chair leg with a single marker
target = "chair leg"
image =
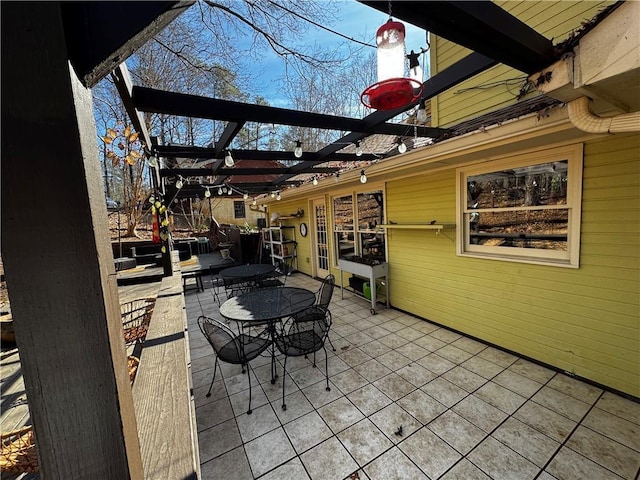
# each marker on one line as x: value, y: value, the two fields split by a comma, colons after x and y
x: 215, y: 367
x: 249, y: 375
x: 331, y: 343
x: 284, y: 378
x: 326, y: 367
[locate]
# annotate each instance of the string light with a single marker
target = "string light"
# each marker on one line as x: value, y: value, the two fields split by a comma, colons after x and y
x: 273, y: 194
x: 298, y: 150
x: 207, y: 192
x: 278, y: 197
x: 358, y: 149
x: 421, y: 116
x: 254, y: 202
x: 219, y: 190
x: 179, y: 183
x: 363, y: 177
x: 228, y: 160
x: 229, y: 191
x: 245, y: 196
x: 402, y: 147
x: 315, y: 181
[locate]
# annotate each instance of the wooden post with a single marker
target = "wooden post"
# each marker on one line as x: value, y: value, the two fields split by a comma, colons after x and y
x: 57, y: 257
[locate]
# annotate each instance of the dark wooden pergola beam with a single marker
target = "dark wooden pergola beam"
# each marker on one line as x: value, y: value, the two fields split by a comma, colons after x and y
x: 461, y: 70
x: 123, y: 83
x: 232, y: 129
x: 481, y: 26
x: 195, y: 106
x: 204, y: 153
x: 208, y: 172
x: 96, y: 47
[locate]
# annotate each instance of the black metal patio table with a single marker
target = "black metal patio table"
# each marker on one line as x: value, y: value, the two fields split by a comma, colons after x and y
x: 266, y: 306
x: 242, y: 278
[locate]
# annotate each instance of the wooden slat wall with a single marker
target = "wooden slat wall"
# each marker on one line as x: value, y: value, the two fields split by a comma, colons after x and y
x: 584, y: 321
x: 554, y: 20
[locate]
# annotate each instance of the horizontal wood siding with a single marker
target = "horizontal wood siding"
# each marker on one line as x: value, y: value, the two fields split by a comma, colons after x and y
x: 584, y: 321
x: 488, y: 91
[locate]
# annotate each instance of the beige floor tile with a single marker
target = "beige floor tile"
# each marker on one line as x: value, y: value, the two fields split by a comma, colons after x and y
x: 297, y: 405
x: 261, y: 421
x: 358, y: 339
x: 469, y: 345
x: 232, y: 465
x: 454, y: 354
x: 517, y: 383
x: 364, y: 441
x: 340, y: 414
x: 569, y: 465
x: 393, y: 360
x: 532, y: 370
x: 527, y: 441
x: 349, y: 380
x: 268, y: 451
x: 307, y: 376
x: 457, y: 432
x: 376, y: 348
x: 409, y: 333
x: 421, y: 406
x: 369, y: 399
x: 545, y: 421
x: 465, y: 379
x: 429, y: 343
x: 394, y: 465
x: 482, y: 367
x: 606, y: 452
x: 429, y: 452
x: 424, y: 326
x: 393, y: 340
x: 413, y: 351
x: 292, y: 470
x: 318, y: 395
x: 329, y: 461
x: 445, y: 335
x: 614, y: 427
x: 377, y: 331
x: 394, y: 325
x: 213, y: 413
x: 620, y: 407
x: 575, y: 388
x: 307, y: 431
x: 465, y: 470
x: 500, y: 397
x: 480, y: 413
x: 217, y: 440
x: 353, y: 356
x: 372, y: 370
x: 395, y: 422
x: 561, y: 403
x: 394, y: 386
x: 273, y: 391
x: 500, y: 462
x: 444, y: 391
x: 436, y: 363
x: 416, y: 374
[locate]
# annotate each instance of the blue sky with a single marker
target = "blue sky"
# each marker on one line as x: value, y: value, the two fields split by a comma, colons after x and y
x: 354, y: 20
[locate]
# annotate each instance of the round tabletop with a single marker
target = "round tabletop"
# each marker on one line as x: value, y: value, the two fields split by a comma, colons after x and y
x: 247, y: 271
x: 266, y: 304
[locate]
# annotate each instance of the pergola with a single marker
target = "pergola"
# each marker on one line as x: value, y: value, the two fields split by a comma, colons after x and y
x: 55, y: 243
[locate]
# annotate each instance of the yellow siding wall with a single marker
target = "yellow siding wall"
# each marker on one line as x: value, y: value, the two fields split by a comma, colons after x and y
x: 286, y: 208
x: 584, y: 321
x: 501, y: 84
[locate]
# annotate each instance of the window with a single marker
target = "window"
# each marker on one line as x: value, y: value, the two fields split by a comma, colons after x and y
x: 523, y: 209
x: 362, y: 237
x: 238, y: 209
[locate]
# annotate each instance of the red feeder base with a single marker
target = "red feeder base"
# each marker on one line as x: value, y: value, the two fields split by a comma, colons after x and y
x: 391, y: 93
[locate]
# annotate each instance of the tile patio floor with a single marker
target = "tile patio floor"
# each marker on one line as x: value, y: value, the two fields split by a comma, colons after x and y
x: 408, y: 400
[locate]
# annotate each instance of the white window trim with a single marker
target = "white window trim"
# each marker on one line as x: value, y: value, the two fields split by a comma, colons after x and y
x: 569, y: 258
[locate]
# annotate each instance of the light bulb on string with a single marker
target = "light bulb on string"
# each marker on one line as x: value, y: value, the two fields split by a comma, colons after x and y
x: 315, y: 181
x: 402, y: 147
x: 278, y: 197
x: 254, y: 202
x: 179, y: 183
x: 245, y: 196
x: 229, y: 191
x: 298, y: 150
x: 363, y: 177
x: 219, y: 190
x: 358, y: 149
x: 228, y: 160
x: 207, y: 192
x: 273, y: 194
x: 421, y: 116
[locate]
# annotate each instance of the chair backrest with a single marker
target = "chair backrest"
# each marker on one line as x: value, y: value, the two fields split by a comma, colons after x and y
x: 222, y: 339
x: 309, y: 335
x: 326, y: 291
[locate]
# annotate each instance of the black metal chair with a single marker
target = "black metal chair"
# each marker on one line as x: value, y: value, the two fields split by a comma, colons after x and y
x: 217, y: 282
x: 278, y: 278
x: 321, y: 307
x: 303, y: 337
x: 238, y: 349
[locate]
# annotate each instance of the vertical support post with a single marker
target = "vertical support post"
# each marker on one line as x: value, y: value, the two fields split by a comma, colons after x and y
x: 58, y: 259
